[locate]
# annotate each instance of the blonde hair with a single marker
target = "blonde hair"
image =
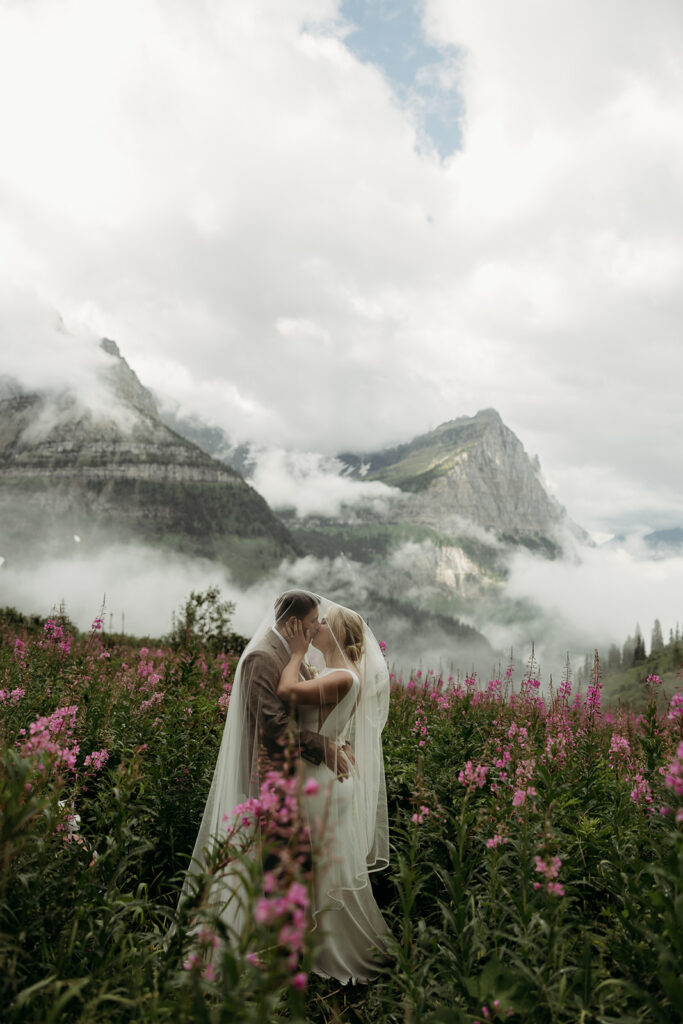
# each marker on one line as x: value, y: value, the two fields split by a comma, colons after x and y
x: 347, y: 627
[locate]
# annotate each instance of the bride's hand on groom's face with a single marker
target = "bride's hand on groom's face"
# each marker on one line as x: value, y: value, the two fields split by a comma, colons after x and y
x: 299, y: 639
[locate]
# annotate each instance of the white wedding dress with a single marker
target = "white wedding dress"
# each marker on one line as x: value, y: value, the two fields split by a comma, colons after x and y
x: 350, y: 931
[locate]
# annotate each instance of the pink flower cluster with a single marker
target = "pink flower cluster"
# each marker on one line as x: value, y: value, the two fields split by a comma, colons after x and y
x: 673, y: 779
x: 288, y: 911
x: 285, y: 902
x: 495, y: 841
x: 420, y: 815
x: 13, y: 695
x: 619, y: 749
x: 20, y: 651
x: 653, y: 680
x: 676, y: 707
x: 96, y: 760
x: 47, y: 735
x: 473, y: 776
x: 641, y: 792
x: 550, y: 869
x: 565, y: 690
x: 224, y: 699
x: 421, y: 727
x: 593, y: 696
x: 153, y: 701
x: 57, y: 635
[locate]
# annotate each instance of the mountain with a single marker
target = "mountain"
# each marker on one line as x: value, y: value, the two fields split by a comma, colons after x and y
x: 664, y: 543
x: 212, y: 440
x: 465, y: 497
x: 75, y: 471
x: 476, y: 469
x: 655, y: 545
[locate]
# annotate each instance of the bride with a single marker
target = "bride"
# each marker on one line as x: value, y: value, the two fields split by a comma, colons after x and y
x: 334, y: 721
x: 345, y: 702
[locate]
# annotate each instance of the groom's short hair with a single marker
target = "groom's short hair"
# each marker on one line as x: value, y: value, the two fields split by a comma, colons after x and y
x: 294, y: 602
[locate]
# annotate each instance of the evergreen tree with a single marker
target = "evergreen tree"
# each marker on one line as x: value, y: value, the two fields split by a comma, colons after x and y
x: 657, y: 640
x: 671, y: 635
x: 628, y: 651
x: 613, y: 658
x: 639, y: 653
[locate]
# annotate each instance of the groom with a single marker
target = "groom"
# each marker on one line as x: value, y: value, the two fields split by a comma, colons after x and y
x: 269, y: 718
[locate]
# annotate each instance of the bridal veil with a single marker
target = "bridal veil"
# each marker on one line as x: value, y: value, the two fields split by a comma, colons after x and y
x: 356, y: 823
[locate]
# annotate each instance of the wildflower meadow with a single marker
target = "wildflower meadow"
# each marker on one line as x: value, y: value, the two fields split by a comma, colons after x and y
x: 537, y: 848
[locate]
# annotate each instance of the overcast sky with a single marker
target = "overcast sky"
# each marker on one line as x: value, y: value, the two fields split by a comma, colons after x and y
x: 329, y: 225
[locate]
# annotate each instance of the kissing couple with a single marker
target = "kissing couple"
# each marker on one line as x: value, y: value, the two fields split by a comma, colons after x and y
x: 312, y: 687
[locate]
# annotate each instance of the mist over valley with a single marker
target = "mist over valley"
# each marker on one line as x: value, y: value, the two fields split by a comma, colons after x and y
x: 450, y: 544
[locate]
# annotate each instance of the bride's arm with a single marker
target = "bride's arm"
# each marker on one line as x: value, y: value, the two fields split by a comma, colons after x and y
x: 328, y: 689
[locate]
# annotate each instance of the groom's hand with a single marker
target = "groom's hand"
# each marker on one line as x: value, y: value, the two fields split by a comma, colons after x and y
x: 348, y: 754
x: 339, y: 759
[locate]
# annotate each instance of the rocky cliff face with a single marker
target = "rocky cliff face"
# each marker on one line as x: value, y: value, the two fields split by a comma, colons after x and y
x: 119, y: 473
x: 472, y: 470
x: 467, y: 496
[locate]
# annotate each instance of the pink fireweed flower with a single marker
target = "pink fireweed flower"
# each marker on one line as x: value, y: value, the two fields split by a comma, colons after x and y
x: 673, y: 778
x: 619, y: 748
x: 675, y: 707
x: 299, y: 981
x: 420, y: 815
x: 209, y: 973
x: 96, y: 625
x: 208, y: 937
x: 593, y: 697
x: 382, y: 646
x: 311, y: 787
x: 97, y: 760
x: 473, y: 776
x: 155, y: 699
x: 550, y: 869
x: 495, y: 841
x: 641, y: 792
x: 653, y: 680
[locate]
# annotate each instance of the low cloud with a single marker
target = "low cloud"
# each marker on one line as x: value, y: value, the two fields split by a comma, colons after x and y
x: 313, y: 484
x: 592, y: 602
x: 41, y: 350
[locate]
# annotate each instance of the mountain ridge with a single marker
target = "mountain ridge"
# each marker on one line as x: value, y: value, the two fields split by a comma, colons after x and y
x: 69, y: 471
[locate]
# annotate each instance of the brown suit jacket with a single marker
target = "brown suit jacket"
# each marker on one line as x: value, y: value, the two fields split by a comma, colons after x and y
x: 269, y: 717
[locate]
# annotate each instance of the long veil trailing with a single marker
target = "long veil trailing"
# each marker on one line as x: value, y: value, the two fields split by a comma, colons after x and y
x: 351, y: 810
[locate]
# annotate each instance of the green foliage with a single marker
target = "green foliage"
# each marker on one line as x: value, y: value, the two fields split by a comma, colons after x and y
x: 88, y: 925
x: 204, y: 622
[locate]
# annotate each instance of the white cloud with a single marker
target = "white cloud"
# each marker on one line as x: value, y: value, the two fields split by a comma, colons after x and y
x: 240, y: 203
x: 599, y: 600
x: 313, y: 484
